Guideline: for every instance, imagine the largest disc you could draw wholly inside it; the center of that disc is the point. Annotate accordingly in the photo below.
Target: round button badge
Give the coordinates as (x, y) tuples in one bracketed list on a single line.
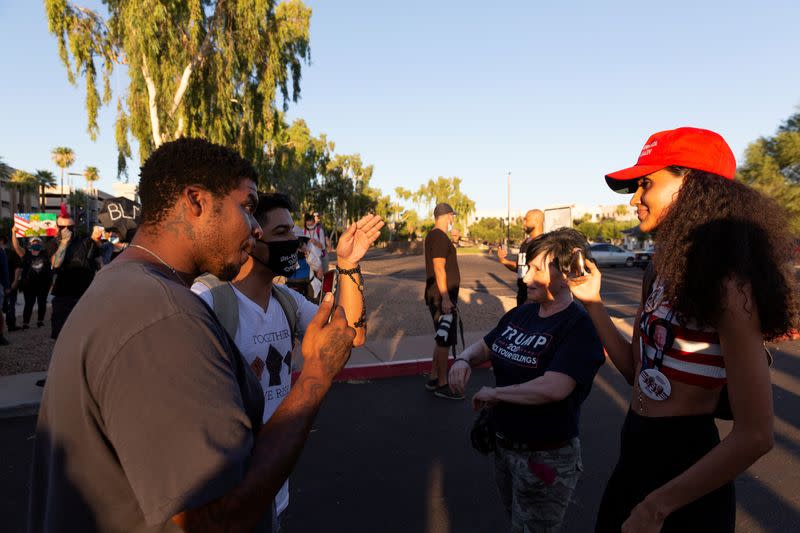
[(654, 384)]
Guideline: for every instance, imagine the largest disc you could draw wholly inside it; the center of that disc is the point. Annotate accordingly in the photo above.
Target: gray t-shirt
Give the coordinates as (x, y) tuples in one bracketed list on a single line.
[(149, 409)]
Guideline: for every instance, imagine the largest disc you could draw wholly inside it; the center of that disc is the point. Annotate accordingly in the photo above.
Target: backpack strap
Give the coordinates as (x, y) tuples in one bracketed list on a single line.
[(289, 306), (226, 305)]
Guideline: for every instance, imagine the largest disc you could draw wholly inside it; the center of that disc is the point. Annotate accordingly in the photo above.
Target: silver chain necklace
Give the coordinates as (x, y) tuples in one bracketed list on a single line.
[(151, 252)]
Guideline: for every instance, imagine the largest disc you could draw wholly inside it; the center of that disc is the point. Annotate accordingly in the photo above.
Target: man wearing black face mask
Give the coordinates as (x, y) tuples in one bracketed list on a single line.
[(534, 226), (264, 318)]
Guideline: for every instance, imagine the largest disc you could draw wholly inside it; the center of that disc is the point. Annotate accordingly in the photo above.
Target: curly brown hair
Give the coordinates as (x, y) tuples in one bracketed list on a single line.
[(718, 229)]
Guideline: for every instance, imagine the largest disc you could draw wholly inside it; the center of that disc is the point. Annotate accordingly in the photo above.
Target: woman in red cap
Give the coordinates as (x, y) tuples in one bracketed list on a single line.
[(720, 285)]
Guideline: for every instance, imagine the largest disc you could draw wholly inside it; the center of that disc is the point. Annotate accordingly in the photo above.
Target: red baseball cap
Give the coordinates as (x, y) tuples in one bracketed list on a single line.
[(684, 147)]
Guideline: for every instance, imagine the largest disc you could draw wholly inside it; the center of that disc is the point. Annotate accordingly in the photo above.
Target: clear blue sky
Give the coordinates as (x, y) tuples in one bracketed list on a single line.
[(557, 94)]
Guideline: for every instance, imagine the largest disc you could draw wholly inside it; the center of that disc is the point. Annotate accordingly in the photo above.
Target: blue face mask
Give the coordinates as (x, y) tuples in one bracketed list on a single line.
[(114, 239), (37, 247)]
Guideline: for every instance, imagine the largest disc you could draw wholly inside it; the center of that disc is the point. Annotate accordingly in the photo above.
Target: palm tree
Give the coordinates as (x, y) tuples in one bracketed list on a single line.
[(63, 157), (91, 174), (21, 182), (5, 170), (45, 179)]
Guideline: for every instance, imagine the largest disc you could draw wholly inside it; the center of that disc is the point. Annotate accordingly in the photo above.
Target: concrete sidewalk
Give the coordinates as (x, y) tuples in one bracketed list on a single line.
[(378, 358)]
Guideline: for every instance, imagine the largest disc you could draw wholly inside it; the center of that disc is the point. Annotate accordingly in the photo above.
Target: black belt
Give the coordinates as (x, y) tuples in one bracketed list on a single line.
[(528, 446)]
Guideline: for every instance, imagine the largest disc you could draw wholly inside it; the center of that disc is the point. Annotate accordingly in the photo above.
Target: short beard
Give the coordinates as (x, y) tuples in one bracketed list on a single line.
[(228, 272)]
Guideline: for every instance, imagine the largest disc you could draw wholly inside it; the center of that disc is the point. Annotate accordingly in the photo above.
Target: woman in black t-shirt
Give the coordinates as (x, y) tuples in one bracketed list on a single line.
[(35, 281), (544, 355)]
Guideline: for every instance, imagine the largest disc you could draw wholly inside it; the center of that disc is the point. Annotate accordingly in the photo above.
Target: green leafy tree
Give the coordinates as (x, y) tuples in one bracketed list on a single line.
[(44, 179), (344, 193), (443, 190), (63, 157), (488, 229), (205, 68), (605, 230), (772, 166), (21, 183), (298, 158)]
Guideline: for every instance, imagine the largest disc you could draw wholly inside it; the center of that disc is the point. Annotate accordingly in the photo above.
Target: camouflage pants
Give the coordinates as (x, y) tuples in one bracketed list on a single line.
[(536, 487)]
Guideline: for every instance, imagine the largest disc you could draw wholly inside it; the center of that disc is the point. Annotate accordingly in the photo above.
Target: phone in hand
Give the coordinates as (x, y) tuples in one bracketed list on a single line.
[(330, 283), (577, 264)]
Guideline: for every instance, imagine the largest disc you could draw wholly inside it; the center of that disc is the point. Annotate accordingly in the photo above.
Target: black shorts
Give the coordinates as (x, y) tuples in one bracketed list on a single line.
[(436, 314), (653, 452)]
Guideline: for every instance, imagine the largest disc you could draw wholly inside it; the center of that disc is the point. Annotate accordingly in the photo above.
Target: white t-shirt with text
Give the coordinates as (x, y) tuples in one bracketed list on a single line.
[(265, 341)]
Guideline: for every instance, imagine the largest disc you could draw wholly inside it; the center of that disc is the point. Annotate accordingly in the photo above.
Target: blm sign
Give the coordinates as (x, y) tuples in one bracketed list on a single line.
[(121, 214)]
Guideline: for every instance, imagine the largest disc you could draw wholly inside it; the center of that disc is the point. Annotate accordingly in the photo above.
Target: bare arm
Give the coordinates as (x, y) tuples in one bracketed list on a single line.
[(278, 444), (619, 349), (475, 354), (441, 283), (502, 256), (353, 245), (15, 243), (548, 388), (350, 299), (750, 394), (58, 257)]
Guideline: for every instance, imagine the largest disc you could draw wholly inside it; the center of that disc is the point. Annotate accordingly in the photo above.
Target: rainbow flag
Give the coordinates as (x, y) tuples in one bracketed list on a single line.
[(35, 224)]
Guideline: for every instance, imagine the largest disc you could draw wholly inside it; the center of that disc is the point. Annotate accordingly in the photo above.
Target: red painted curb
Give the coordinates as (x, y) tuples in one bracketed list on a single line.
[(413, 367)]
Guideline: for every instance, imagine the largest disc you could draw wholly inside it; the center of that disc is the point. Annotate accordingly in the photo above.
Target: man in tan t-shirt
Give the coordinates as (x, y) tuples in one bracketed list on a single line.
[(151, 420)]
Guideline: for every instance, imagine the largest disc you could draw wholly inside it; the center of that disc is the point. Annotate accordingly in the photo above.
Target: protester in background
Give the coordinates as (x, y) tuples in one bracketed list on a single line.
[(534, 226), (14, 275), (721, 284), (36, 278), (544, 356), (111, 245), (308, 277), (75, 262), (5, 287), (442, 280), (265, 319), (312, 228), (150, 419)]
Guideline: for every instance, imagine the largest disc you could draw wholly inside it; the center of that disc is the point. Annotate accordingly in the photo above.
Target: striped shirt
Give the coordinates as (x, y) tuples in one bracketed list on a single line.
[(692, 355)]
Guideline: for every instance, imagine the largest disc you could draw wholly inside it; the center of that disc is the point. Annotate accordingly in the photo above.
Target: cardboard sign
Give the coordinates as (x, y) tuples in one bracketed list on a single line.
[(35, 224)]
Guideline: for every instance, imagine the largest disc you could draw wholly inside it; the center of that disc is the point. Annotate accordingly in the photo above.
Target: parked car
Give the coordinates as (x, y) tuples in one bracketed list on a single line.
[(643, 257), (610, 255)]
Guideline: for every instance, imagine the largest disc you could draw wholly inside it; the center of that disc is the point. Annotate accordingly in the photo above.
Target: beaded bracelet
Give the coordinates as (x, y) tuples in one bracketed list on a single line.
[(362, 321)]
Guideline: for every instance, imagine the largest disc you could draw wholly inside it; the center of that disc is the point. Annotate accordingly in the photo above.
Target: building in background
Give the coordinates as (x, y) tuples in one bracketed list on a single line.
[(84, 203), (26, 202)]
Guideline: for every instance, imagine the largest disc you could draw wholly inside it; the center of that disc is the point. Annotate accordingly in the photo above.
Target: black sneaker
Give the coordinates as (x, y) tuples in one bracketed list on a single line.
[(25, 326), (431, 385), (4, 341), (39, 324), (445, 392), (14, 328)]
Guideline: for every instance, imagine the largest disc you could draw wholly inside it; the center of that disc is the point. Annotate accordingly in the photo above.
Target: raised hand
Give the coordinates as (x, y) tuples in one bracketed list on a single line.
[(502, 252), (587, 288), (354, 243)]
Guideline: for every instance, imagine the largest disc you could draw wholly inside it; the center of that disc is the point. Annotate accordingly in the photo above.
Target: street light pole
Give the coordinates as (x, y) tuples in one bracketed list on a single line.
[(508, 221)]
